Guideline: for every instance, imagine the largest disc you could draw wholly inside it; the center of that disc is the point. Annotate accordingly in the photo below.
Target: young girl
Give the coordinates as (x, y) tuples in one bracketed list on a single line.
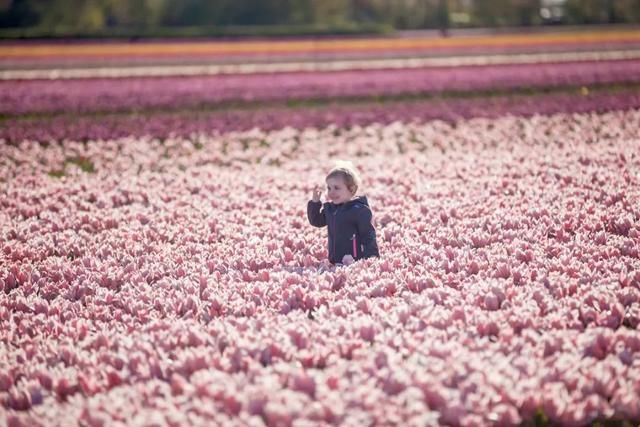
[(349, 218)]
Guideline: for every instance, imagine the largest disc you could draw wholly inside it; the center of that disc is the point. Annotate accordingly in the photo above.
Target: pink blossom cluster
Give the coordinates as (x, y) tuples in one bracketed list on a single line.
[(179, 283), (186, 124), (18, 97)]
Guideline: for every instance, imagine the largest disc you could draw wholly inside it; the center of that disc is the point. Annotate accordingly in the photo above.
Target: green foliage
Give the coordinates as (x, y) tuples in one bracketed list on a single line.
[(57, 173), (505, 13), (603, 11), (147, 17), (587, 11), (82, 162), (347, 28)]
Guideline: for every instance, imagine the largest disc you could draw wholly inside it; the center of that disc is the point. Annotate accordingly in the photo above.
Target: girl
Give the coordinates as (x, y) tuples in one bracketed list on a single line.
[(349, 218)]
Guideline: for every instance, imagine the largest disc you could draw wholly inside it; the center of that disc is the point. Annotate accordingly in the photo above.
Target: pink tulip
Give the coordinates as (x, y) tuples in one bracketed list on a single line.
[(211, 301)]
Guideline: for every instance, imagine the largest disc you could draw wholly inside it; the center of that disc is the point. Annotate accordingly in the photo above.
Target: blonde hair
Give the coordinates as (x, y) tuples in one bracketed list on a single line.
[(348, 172)]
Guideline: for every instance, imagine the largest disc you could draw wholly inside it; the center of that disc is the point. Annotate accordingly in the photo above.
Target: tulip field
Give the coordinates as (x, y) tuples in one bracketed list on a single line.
[(157, 267)]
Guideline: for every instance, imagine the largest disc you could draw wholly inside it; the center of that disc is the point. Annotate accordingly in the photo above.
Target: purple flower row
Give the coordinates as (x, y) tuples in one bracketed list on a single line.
[(183, 124), (134, 94)]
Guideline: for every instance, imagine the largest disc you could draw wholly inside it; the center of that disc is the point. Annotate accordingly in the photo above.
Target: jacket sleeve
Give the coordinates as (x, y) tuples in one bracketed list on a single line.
[(367, 233), (315, 214)]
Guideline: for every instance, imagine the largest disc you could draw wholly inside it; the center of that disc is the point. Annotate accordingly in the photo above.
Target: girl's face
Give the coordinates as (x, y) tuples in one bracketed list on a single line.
[(337, 190)]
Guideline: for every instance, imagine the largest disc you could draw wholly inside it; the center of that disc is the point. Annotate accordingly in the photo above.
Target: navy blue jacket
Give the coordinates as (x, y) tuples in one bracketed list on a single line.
[(350, 228)]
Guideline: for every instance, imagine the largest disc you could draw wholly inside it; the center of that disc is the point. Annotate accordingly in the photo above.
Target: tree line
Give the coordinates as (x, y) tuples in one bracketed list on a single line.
[(100, 15)]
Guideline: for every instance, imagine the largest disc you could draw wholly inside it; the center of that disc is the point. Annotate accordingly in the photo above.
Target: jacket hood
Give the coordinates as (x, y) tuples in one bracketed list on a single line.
[(361, 199)]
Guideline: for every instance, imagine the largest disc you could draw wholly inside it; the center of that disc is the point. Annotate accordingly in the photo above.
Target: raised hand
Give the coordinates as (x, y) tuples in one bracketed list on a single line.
[(317, 192)]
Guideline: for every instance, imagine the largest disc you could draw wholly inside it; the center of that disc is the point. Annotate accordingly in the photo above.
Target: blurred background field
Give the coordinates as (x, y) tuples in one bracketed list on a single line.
[(92, 68)]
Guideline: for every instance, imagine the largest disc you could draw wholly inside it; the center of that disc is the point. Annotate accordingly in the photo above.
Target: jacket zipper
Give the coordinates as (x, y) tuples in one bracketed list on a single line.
[(355, 252), (334, 231)]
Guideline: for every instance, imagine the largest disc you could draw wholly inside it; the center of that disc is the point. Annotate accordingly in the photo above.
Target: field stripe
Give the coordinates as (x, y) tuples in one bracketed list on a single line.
[(369, 64), (296, 46), (342, 115)]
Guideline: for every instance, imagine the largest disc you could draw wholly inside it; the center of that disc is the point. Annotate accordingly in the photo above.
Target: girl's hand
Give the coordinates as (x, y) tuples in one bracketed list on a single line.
[(348, 260), (317, 192)]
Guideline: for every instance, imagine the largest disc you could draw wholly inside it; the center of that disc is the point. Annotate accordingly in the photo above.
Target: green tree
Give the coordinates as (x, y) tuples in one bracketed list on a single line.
[(300, 12), (19, 13), (494, 13), (330, 11), (628, 10), (196, 12), (586, 11), (100, 15), (79, 15), (526, 12), (443, 16), (367, 11)]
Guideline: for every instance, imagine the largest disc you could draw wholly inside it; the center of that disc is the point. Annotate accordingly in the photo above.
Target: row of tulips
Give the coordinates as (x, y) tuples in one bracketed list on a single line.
[(104, 95), (317, 64), (21, 55), (178, 282), (166, 125), (11, 66)]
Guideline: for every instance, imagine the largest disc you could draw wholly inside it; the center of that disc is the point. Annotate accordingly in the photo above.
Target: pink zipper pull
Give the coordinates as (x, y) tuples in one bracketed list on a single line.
[(353, 241)]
